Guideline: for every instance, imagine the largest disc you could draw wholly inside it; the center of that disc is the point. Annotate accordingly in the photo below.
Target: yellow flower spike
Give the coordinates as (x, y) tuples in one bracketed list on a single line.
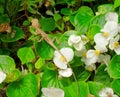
[(97, 52), (116, 44), (105, 34)]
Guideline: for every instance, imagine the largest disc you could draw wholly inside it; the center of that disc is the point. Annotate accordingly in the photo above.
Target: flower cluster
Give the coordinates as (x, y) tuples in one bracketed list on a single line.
[(107, 38)]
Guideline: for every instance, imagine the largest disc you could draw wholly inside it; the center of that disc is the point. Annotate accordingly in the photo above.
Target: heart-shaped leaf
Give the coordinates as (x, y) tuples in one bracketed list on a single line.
[(26, 87)]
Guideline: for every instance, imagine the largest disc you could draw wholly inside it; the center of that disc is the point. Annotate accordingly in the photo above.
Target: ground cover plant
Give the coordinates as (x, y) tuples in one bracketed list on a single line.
[(59, 48)]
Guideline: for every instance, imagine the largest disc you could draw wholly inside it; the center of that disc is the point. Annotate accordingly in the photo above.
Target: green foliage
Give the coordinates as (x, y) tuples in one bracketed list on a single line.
[(16, 34), (116, 3), (82, 19), (26, 86), (44, 50), (113, 68), (47, 24), (7, 63), (26, 54)]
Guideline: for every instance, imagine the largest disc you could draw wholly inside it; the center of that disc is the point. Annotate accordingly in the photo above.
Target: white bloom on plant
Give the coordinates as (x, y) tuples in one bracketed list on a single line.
[(115, 45), (105, 59), (65, 72), (100, 39), (111, 16), (102, 48), (62, 61), (92, 55), (2, 76), (110, 29), (73, 39), (90, 67), (107, 92), (76, 42), (52, 92)]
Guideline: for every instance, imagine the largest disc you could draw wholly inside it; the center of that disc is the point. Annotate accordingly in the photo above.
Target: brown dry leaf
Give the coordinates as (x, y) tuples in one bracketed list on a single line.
[(5, 27)]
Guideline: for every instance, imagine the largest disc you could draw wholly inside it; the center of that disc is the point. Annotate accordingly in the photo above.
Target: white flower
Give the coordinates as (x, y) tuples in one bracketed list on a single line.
[(52, 92), (61, 61), (65, 72), (110, 29), (101, 48), (114, 44), (105, 59), (107, 92), (92, 55), (73, 39), (2, 76), (100, 39), (76, 42), (111, 16), (90, 67)]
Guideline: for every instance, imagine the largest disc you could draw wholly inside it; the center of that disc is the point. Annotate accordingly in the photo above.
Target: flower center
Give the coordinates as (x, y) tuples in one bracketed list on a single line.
[(97, 52), (116, 44), (105, 34), (63, 58), (84, 55)]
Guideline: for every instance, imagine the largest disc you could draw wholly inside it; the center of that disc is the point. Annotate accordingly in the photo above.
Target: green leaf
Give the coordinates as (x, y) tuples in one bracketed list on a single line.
[(26, 87), (47, 24), (102, 76), (14, 75), (116, 3), (95, 88), (13, 36), (72, 90), (44, 50), (66, 11), (1, 9), (114, 67), (57, 17), (4, 19), (26, 23), (26, 54), (99, 20), (82, 19), (102, 9), (82, 74), (39, 63), (93, 30), (50, 79), (7, 64), (116, 86)]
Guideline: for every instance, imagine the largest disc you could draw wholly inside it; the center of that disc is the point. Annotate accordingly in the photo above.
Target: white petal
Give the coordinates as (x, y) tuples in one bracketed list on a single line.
[(68, 53), (2, 76), (105, 59), (100, 39), (58, 59), (59, 63), (101, 48), (73, 39), (79, 46), (117, 50), (65, 72), (52, 92), (111, 16), (111, 27), (90, 67)]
